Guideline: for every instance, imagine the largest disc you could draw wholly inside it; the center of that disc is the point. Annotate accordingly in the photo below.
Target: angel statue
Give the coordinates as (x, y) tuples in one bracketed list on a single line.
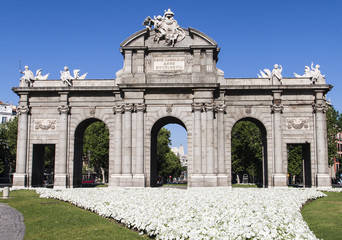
[(39, 75), (277, 71), (66, 76), (316, 73), (265, 74), (28, 76)]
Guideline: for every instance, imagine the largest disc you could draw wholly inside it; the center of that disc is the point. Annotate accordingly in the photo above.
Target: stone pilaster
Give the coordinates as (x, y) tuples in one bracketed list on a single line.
[(197, 177), (19, 178), (61, 163), (138, 177), (322, 177), (117, 110), (210, 177), (279, 177), (127, 143), (222, 177)]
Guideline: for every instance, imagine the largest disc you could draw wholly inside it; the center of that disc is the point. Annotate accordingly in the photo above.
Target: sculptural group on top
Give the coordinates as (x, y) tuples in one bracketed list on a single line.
[(313, 73), (66, 77), (166, 28), (275, 72), (30, 78)]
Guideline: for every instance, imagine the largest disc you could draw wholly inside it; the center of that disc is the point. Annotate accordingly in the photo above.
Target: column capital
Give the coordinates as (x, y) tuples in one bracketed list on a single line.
[(319, 108), (140, 107), (118, 108), (23, 110), (128, 107), (209, 107), (63, 109), (221, 107), (197, 106), (277, 108)]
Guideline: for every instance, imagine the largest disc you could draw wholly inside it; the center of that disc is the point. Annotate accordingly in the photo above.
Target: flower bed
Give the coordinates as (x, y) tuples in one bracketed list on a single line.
[(199, 213)]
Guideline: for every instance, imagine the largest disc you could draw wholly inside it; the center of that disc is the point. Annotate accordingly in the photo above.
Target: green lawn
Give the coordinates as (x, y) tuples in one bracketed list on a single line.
[(244, 185), (324, 216), (53, 219)]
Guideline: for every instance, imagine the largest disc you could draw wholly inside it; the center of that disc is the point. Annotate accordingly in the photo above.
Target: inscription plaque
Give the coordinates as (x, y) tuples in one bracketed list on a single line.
[(169, 63)]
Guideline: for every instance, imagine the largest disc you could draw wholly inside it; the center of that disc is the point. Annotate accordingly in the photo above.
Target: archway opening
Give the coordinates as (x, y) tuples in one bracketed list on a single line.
[(91, 155), (43, 165), (249, 153), (168, 153), (299, 165)]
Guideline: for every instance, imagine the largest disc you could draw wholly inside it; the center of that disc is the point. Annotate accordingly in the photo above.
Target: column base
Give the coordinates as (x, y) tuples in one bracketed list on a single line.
[(210, 180), (61, 181), (138, 180), (323, 180), (279, 180), (222, 180), (19, 180), (197, 180), (123, 180)]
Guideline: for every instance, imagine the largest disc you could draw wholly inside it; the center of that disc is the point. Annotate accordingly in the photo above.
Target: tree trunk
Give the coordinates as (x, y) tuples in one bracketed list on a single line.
[(237, 178), (294, 179), (103, 175)]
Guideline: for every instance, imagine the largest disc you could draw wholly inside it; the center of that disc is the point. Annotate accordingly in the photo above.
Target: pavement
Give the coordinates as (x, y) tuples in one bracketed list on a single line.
[(12, 225)]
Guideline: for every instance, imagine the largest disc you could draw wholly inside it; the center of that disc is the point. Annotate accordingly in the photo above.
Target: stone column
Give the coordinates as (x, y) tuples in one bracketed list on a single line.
[(139, 177), (118, 110), (279, 177), (127, 144), (322, 177), (197, 138), (61, 163), (209, 107), (19, 178), (222, 178)]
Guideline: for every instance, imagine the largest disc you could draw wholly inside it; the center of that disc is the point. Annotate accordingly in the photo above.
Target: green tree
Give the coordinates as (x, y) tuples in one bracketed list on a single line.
[(247, 150), (334, 126), (8, 144), (168, 164), (295, 161), (96, 141)]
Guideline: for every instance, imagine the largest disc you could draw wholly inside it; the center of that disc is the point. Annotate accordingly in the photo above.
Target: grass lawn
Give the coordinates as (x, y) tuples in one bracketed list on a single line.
[(53, 219), (324, 216)]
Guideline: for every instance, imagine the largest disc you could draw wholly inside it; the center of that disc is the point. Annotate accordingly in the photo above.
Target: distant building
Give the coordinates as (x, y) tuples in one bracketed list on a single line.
[(180, 153), (7, 112)]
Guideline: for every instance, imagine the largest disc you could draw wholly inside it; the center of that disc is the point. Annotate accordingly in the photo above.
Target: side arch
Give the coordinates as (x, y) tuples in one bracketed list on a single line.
[(264, 140), (76, 180)]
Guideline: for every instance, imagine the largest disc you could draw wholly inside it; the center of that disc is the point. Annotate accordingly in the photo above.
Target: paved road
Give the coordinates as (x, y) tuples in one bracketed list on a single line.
[(12, 225)]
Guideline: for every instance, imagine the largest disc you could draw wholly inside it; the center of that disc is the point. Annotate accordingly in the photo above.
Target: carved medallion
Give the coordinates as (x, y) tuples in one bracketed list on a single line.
[(248, 110), (297, 123), (45, 124), (92, 111), (168, 108)]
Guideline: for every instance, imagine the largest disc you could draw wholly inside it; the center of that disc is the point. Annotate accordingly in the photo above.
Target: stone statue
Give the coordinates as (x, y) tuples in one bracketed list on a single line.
[(316, 74), (67, 78), (265, 74), (39, 75), (166, 28), (277, 71), (307, 73), (77, 74), (28, 76), (313, 73)]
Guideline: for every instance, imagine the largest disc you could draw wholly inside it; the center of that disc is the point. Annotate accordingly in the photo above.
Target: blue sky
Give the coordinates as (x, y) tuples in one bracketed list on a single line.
[(253, 35)]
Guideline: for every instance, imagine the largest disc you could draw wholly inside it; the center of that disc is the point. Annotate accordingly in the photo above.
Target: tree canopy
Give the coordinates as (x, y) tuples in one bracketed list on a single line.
[(96, 142), (334, 126), (8, 144), (168, 164), (247, 150)]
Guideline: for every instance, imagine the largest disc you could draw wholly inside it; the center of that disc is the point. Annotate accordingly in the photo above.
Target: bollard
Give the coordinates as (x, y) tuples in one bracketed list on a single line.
[(5, 192)]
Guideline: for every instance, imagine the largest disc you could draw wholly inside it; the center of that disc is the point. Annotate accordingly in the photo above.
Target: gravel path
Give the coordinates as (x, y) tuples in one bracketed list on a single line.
[(12, 225)]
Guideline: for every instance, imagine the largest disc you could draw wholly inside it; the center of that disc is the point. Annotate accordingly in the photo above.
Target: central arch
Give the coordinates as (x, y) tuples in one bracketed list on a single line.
[(263, 132), (78, 150), (154, 133)]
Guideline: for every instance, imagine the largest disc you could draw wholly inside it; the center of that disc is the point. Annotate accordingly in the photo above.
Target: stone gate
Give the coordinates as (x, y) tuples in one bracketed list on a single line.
[(169, 75)]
